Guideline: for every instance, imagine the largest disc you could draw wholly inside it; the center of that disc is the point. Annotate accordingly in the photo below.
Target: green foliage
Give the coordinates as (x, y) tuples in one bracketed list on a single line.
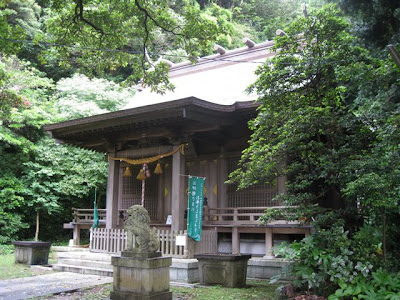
[(376, 21), (37, 173), (54, 179), (25, 14), (11, 199), (79, 96), (304, 128), (323, 260), (8, 30), (329, 122), (254, 290), (381, 285), (109, 35), (266, 16), (6, 249)]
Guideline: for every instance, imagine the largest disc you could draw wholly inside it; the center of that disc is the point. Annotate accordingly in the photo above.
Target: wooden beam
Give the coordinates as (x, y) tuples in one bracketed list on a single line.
[(235, 240)]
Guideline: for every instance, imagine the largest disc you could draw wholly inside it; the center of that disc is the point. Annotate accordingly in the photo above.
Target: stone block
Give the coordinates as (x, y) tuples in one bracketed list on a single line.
[(228, 270), (31, 253), (184, 270), (141, 278)]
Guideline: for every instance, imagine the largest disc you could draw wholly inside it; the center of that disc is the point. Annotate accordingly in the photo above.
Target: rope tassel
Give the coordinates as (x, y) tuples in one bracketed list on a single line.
[(158, 170)]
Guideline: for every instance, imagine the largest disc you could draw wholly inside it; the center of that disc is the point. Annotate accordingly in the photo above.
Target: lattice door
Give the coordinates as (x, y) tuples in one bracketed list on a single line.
[(131, 192), (258, 195)]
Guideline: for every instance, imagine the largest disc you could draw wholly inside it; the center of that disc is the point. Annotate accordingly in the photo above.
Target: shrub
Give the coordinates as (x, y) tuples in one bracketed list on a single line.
[(323, 260), (380, 285)]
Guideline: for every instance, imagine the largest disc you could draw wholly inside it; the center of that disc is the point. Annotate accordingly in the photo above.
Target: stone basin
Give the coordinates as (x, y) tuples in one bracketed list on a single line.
[(31, 252), (229, 270)]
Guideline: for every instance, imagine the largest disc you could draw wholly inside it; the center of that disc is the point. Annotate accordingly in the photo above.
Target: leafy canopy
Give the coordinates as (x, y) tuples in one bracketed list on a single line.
[(108, 35)]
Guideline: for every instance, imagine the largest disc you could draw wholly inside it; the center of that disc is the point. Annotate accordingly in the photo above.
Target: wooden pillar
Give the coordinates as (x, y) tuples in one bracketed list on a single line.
[(178, 191), (235, 240), (76, 235), (222, 177), (268, 243), (112, 194), (281, 182)]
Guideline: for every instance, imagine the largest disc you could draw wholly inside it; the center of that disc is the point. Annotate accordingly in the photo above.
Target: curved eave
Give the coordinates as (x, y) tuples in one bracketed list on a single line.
[(108, 128)]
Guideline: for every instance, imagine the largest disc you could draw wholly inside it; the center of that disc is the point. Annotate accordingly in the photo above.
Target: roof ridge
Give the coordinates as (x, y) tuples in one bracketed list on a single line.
[(228, 53)]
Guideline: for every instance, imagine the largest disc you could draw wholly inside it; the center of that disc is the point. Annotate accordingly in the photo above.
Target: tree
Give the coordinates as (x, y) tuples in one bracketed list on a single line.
[(21, 118), (80, 96), (58, 176), (107, 35), (305, 128), (266, 16), (376, 21), (328, 120)]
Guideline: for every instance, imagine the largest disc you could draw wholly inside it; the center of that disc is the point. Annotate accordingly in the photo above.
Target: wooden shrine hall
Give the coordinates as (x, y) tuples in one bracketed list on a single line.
[(200, 129)]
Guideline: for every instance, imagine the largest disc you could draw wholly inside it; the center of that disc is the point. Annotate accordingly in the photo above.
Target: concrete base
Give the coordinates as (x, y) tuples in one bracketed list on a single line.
[(228, 270), (134, 296), (184, 270), (260, 268), (32, 253), (141, 279)]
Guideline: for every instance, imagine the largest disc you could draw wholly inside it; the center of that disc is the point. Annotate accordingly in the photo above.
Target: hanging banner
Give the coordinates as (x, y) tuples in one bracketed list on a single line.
[(195, 207), (96, 220)]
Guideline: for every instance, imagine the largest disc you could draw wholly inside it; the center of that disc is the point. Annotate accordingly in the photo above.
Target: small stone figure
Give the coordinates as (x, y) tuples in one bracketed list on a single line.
[(140, 239)]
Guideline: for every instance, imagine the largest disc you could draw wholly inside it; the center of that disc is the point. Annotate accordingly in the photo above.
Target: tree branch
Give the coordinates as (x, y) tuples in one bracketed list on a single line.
[(79, 15), (147, 14)]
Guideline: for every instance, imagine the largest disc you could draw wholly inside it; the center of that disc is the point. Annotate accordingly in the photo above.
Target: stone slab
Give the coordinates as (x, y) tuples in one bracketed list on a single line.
[(151, 263)]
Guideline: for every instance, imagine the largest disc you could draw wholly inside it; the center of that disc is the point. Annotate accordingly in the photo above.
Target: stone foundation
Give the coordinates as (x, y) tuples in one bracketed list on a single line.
[(141, 279)]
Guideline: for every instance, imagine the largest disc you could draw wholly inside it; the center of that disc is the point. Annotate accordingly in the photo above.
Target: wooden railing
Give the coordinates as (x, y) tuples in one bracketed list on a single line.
[(85, 216), (236, 215), (213, 216), (109, 240)]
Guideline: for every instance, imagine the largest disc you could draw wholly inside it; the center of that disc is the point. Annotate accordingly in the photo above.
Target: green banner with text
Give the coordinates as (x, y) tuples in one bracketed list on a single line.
[(195, 207)]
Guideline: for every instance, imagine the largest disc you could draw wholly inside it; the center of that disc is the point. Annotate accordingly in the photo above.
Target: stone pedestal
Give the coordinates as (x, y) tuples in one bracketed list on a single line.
[(229, 270), (31, 252), (141, 277)]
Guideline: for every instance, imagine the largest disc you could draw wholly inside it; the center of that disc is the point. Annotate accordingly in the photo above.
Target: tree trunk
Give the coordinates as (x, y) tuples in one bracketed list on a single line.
[(37, 227)]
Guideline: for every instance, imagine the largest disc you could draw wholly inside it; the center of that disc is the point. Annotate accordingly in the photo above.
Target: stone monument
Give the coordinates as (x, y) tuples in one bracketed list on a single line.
[(140, 272)]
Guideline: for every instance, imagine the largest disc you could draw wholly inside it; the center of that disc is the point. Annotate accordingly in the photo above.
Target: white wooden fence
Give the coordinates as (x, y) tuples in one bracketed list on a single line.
[(109, 240)]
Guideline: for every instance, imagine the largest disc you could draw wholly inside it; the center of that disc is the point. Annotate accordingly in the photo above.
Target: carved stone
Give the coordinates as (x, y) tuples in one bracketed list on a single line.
[(140, 239), (140, 272)]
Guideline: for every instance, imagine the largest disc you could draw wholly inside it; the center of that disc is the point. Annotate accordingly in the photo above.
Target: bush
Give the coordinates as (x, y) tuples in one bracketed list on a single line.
[(6, 249), (323, 260), (381, 285)]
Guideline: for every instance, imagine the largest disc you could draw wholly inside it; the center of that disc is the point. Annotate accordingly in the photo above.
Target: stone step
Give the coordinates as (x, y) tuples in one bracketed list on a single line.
[(69, 249), (85, 255), (84, 263), (83, 270)]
